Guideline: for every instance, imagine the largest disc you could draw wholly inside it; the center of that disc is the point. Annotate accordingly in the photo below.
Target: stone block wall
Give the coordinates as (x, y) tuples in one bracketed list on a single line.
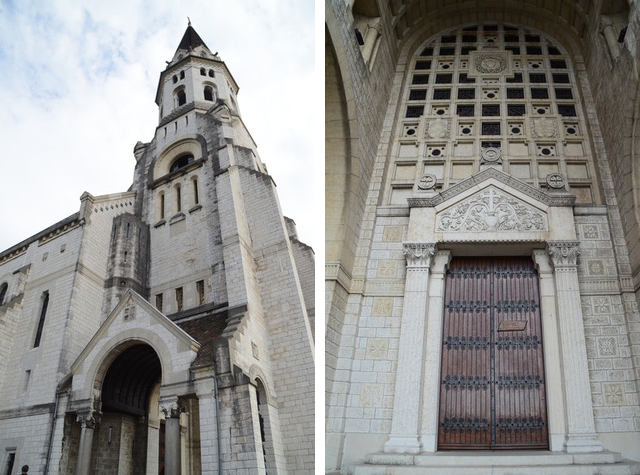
[(26, 434), (611, 327)]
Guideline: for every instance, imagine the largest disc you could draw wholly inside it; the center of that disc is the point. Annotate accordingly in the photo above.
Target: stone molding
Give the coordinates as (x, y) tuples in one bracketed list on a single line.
[(563, 253), (418, 254)]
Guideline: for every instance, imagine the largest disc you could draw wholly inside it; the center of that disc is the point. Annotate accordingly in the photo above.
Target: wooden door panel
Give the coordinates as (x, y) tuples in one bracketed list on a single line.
[(492, 392)]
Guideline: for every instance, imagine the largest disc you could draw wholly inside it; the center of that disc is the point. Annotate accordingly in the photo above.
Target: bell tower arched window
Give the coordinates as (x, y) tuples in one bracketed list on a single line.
[(180, 97), (181, 162), (208, 93)]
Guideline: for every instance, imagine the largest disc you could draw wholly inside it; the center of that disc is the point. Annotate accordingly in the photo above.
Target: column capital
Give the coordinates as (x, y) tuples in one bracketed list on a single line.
[(419, 254), (563, 253), (170, 406), (88, 419)]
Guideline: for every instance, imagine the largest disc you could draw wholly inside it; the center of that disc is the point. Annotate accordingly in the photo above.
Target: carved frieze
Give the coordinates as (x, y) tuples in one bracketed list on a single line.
[(492, 210)]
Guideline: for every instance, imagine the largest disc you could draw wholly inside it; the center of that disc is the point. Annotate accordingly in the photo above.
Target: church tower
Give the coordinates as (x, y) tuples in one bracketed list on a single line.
[(172, 330)]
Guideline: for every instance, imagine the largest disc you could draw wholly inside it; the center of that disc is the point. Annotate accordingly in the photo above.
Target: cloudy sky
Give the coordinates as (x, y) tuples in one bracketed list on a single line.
[(77, 88)]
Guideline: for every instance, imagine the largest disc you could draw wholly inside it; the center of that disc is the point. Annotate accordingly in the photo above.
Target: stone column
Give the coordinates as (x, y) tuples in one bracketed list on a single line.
[(581, 434), (172, 457), (607, 29), (551, 348), (431, 385), (88, 421), (370, 36), (406, 403)]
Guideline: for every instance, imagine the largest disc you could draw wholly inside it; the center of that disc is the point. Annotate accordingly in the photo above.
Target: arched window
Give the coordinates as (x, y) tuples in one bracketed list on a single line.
[(203, 72), (178, 198), (175, 79), (208, 93), (3, 292), (181, 97), (181, 162), (211, 73), (181, 74)]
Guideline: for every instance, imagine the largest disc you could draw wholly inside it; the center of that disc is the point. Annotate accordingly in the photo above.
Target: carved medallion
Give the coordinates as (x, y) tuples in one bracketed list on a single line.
[(427, 182), (555, 181), (544, 127), (490, 210), (491, 155)]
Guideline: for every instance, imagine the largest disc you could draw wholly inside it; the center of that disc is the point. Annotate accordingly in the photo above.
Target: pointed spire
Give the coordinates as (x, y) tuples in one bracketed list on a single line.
[(190, 40)]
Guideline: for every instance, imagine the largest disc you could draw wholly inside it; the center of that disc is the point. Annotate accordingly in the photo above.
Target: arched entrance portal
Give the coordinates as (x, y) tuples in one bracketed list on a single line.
[(124, 438)]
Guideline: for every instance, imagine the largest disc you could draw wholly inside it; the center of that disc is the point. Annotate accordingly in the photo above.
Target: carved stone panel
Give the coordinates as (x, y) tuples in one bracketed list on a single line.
[(490, 63), (492, 210), (437, 128), (544, 127)]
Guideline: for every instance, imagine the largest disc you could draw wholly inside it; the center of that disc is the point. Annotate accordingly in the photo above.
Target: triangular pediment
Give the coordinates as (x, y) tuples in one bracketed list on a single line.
[(492, 206), (135, 318), (502, 180)]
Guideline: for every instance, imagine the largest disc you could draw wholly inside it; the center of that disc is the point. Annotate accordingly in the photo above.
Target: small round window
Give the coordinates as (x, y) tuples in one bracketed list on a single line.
[(181, 162)]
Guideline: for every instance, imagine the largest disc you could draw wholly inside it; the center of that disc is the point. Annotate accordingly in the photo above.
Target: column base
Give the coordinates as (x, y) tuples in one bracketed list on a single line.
[(582, 443), (398, 444)]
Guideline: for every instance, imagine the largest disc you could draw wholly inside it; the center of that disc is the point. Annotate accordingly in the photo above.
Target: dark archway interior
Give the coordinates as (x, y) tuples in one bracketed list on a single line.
[(130, 380)]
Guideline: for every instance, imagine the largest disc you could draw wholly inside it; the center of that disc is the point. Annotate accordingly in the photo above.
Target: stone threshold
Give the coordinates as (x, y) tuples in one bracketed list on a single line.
[(496, 463)]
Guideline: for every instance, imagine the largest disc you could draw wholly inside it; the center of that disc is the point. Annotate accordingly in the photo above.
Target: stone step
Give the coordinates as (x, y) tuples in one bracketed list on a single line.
[(490, 463)]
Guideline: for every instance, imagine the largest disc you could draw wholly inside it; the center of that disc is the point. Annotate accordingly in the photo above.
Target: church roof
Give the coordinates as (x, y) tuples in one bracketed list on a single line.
[(190, 40)]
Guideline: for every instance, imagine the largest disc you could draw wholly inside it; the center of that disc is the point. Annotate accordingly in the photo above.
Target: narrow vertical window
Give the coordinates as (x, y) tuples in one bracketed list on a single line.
[(43, 314), (11, 460), (196, 199), (178, 198), (125, 257), (200, 290), (159, 302), (3, 287), (128, 230), (181, 74), (162, 206), (208, 93), (27, 378), (179, 298), (203, 72)]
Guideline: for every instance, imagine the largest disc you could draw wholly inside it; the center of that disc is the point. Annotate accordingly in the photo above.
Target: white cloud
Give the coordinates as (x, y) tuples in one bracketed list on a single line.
[(78, 86)]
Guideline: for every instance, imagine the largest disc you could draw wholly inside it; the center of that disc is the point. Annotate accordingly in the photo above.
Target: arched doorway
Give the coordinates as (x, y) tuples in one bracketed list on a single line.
[(122, 441)]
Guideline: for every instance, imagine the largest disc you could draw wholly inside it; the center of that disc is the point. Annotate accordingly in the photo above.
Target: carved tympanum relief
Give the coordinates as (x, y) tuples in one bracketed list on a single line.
[(492, 210)]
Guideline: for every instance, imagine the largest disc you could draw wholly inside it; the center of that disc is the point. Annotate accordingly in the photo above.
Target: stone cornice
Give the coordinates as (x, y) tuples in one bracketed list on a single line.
[(449, 193)]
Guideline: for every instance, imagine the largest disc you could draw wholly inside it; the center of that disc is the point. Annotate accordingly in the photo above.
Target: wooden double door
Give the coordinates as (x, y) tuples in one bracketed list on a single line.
[(492, 386)]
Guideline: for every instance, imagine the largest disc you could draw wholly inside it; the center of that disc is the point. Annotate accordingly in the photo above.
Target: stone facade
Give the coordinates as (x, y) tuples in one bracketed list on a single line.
[(499, 132), (168, 328)]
